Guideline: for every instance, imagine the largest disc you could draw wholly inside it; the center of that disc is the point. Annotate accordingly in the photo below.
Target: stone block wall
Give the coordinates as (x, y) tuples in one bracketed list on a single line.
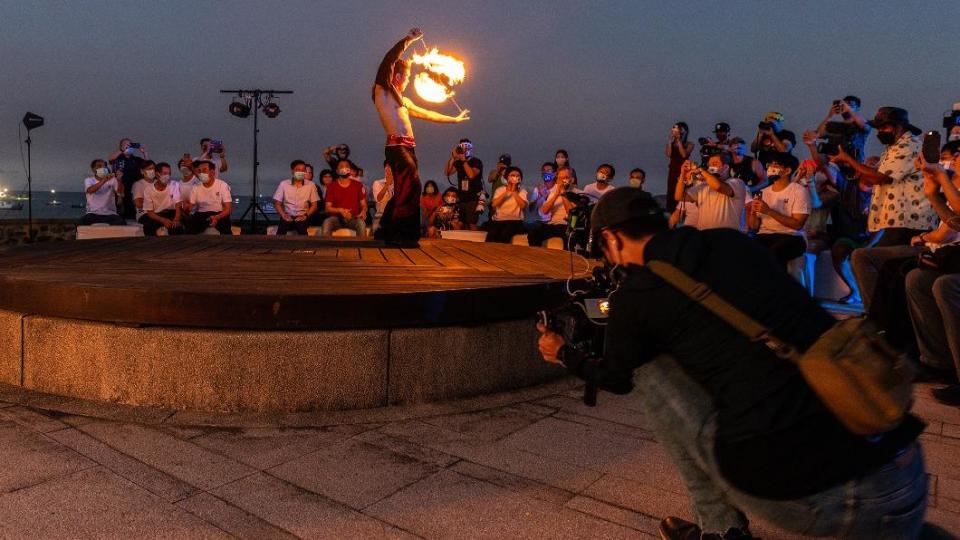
[(13, 232)]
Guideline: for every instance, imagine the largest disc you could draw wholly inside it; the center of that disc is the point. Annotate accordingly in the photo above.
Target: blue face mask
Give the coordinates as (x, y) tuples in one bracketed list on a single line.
[(548, 177)]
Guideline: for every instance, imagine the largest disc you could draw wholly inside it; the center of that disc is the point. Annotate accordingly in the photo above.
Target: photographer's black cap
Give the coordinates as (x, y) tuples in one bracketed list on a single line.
[(893, 115), (624, 204), (721, 127), (506, 159)]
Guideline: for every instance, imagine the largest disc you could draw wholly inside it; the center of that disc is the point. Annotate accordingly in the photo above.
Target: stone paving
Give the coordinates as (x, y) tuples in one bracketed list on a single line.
[(546, 467)]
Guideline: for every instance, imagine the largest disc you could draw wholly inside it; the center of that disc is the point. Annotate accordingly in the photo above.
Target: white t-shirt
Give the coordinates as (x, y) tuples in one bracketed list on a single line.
[(689, 212), (716, 210), (102, 202), (296, 199), (510, 210), (558, 213), (186, 188), (594, 192), (137, 190), (381, 204), (210, 199), (156, 200), (793, 199)]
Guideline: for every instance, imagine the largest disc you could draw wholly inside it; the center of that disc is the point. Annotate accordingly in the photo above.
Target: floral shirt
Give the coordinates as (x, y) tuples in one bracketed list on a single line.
[(901, 203)]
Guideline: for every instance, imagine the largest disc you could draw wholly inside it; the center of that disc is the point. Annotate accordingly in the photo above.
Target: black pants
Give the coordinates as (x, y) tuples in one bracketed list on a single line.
[(197, 223), (400, 223), (538, 232), (300, 226), (112, 219), (785, 247), (150, 227), (896, 236), (889, 305), (504, 231)]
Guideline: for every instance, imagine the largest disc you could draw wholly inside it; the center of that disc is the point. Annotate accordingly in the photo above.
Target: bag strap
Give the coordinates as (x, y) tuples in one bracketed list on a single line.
[(702, 294)]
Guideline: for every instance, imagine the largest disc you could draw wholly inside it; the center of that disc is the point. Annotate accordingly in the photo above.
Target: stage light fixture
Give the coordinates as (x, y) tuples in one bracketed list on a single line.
[(32, 121), (240, 109), (271, 110)]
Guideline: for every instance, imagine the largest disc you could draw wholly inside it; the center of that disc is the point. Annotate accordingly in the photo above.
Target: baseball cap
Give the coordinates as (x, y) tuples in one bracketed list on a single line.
[(624, 204)]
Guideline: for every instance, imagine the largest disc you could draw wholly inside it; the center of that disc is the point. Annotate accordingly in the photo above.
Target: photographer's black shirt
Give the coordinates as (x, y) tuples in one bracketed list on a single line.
[(768, 151), (469, 188), (775, 439)]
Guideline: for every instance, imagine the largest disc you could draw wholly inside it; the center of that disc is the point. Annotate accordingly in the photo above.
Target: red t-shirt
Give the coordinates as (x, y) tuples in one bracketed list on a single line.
[(348, 197)]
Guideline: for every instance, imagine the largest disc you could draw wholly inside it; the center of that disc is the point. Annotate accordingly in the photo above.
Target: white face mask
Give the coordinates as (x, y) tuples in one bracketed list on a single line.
[(185, 172), (947, 164), (204, 177), (635, 182), (163, 178), (954, 137), (299, 175), (713, 170), (343, 173), (102, 172), (450, 201), (601, 177), (774, 173), (150, 174)]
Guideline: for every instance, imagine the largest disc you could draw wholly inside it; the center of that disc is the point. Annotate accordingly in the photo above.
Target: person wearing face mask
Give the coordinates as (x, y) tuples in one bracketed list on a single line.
[(210, 200), (333, 155), (161, 204), (771, 139), (604, 183), (497, 176), (562, 159), (509, 203), (188, 181), (552, 207), (747, 433), (430, 200), (638, 177), (381, 192), (899, 210), (101, 191), (746, 168), (781, 211), (678, 151), (127, 161), (148, 175), (469, 171), (446, 217), (296, 200), (719, 198), (215, 154), (346, 203), (852, 126)]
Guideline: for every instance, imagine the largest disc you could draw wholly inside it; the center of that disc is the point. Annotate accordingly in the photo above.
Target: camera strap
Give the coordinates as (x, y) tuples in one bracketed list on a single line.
[(702, 294)]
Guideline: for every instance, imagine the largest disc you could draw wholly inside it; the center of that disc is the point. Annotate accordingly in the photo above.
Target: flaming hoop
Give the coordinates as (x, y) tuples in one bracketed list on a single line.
[(440, 73)]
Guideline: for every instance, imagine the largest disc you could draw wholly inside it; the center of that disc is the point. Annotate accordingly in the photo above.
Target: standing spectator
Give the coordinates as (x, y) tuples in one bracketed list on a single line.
[(562, 159), (101, 191), (214, 152), (719, 198), (899, 210), (430, 200), (708, 146), (638, 177), (781, 211), (469, 171), (447, 216), (552, 208), (346, 202), (148, 174), (604, 183), (127, 164), (678, 150), (852, 127), (295, 200), (210, 200), (497, 176), (161, 204), (746, 168), (382, 192), (334, 154), (508, 204), (771, 139)]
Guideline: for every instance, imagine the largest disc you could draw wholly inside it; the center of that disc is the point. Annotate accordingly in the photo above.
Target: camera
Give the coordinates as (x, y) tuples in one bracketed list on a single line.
[(951, 119), (836, 135), (578, 219), (581, 319), (135, 145), (765, 125)]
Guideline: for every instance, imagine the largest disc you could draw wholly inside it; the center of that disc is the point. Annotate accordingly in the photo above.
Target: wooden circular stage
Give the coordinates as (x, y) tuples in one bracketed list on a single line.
[(265, 324), (261, 282)]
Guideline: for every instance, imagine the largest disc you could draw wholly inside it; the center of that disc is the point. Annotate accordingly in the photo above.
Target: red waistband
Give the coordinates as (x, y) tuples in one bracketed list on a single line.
[(401, 140)]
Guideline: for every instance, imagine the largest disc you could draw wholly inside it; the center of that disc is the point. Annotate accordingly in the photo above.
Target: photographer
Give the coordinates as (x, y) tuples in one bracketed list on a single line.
[(708, 146), (772, 139), (678, 151), (744, 429), (127, 164), (719, 198), (497, 176), (552, 207), (101, 191), (215, 152), (469, 171), (852, 130), (334, 154)]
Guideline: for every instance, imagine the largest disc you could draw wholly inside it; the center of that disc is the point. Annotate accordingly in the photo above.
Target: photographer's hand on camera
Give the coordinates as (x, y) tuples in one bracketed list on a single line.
[(550, 344)]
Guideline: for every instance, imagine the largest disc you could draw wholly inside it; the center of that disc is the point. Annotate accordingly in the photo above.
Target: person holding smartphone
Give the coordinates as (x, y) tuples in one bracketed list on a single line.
[(215, 152)]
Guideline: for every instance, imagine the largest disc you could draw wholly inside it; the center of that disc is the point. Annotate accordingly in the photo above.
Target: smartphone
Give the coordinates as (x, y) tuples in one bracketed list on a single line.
[(135, 145), (216, 145), (931, 147)]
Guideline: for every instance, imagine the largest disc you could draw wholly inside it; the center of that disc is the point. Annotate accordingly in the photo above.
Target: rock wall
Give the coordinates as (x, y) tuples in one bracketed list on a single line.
[(14, 232)]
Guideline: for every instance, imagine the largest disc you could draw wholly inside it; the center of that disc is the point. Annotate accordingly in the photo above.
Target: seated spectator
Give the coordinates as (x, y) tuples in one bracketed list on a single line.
[(447, 216), (430, 200), (188, 181), (509, 203), (719, 198), (604, 183), (210, 200), (746, 168), (326, 178), (552, 208), (772, 139), (148, 174), (346, 202), (781, 211), (161, 204), (295, 200), (381, 193), (101, 191), (638, 177)]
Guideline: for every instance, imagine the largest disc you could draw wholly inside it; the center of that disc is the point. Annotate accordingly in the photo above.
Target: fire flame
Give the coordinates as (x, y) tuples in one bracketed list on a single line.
[(440, 73)]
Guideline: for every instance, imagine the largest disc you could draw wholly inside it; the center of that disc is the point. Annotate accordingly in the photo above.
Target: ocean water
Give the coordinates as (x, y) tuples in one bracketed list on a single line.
[(72, 205)]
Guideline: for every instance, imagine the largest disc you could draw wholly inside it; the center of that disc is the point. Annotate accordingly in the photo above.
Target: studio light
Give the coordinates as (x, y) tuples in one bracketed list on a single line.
[(32, 121), (240, 109), (271, 110)]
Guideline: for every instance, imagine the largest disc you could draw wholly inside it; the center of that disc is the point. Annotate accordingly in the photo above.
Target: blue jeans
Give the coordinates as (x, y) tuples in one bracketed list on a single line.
[(333, 223), (887, 503)]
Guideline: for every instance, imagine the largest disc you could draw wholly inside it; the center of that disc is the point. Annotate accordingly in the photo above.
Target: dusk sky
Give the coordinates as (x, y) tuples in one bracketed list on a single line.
[(605, 80)]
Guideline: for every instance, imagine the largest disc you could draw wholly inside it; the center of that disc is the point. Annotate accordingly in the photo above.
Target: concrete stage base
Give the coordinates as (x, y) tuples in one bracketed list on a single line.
[(266, 371)]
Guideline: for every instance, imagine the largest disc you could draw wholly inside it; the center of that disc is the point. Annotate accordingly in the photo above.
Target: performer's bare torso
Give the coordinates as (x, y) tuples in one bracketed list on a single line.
[(394, 116)]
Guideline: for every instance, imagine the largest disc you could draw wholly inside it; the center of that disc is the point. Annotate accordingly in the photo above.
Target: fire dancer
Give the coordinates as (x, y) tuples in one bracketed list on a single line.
[(400, 224)]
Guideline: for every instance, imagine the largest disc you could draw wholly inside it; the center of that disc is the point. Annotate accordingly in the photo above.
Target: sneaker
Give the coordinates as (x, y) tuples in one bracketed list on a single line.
[(948, 395), (674, 528)]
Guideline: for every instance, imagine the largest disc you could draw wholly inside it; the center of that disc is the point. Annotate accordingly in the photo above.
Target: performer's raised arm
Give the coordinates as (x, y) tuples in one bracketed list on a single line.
[(433, 116), (386, 72)]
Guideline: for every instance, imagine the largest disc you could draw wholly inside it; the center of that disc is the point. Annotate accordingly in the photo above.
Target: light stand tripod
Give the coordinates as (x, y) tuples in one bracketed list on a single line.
[(30, 121), (252, 100)]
